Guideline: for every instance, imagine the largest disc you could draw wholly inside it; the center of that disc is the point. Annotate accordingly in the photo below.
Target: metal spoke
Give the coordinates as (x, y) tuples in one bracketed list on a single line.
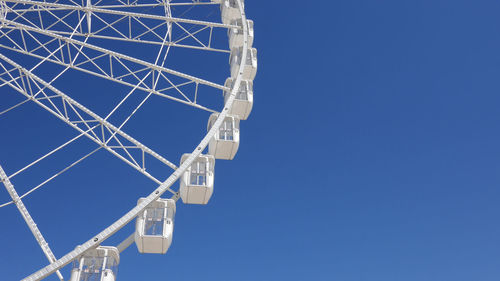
[(82, 36), (116, 67), (95, 11), (14, 106), (28, 219), (89, 121), (115, 55)]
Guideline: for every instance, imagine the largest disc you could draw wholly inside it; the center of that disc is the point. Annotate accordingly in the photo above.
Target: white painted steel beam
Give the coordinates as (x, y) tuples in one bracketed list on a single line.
[(115, 55), (100, 135), (95, 9), (129, 216), (123, 35), (116, 69), (28, 219)]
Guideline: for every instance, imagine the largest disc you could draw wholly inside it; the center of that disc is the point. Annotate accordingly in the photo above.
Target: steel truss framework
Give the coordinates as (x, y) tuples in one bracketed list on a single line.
[(47, 42), (61, 37)]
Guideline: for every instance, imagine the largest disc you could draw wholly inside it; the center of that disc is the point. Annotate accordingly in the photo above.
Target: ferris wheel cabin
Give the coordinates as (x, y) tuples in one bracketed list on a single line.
[(224, 144), (99, 264), (243, 103), (230, 10), (197, 182), (236, 37), (155, 226), (250, 68)]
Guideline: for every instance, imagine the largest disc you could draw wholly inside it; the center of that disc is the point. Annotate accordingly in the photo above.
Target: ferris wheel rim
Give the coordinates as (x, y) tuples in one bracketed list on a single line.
[(162, 188)]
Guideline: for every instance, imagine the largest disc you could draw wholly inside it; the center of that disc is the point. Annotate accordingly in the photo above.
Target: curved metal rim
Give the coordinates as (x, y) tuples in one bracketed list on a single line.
[(130, 215)]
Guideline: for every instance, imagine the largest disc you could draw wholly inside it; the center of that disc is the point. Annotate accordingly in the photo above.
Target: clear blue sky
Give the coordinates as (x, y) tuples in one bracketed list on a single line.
[(372, 154)]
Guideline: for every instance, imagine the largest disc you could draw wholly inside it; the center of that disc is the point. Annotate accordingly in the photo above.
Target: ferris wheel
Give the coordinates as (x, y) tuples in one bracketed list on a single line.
[(144, 49)]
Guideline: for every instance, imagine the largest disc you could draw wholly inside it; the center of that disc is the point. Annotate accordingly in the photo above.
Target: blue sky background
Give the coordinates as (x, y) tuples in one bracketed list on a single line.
[(371, 154)]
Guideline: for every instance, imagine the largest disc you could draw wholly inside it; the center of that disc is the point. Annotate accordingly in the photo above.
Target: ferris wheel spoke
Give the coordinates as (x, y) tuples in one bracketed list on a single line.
[(143, 32), (60, 147), (161, 92), (14, 106), (111, 64), (52, 177), (104, 134), (101, 38), (164, 92), (172, 3), (91, 130), (28, 219), (98, 9), (177, 43)]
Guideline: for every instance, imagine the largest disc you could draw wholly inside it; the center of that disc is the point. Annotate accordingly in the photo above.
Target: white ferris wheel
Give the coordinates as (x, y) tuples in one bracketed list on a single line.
[(144, 49)]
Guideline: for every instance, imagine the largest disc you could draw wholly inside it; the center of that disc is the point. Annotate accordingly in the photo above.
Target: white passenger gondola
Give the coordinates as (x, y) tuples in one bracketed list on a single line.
[(243, 103), (230, 10), (250, 69), (99, 264), (224, 144), (197, 182), (236, 37), (155, 226)]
